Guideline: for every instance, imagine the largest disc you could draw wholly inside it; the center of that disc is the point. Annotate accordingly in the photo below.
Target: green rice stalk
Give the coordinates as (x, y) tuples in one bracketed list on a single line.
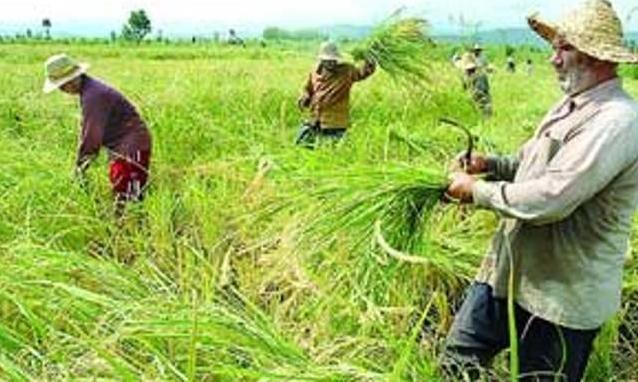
[(399, 46), (511, 319), (401, 199)]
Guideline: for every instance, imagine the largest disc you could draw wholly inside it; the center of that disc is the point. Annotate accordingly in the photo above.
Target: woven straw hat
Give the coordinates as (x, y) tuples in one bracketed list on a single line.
[(467, 62), (59, 70), (329, 51), (593, 29)]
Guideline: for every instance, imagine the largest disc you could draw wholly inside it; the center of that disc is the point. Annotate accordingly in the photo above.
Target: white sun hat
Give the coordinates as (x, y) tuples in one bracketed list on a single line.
[(329, 51), (60, 69)]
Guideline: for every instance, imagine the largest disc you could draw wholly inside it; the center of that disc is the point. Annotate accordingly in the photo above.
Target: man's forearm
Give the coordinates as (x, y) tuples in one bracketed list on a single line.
[(502, 168)]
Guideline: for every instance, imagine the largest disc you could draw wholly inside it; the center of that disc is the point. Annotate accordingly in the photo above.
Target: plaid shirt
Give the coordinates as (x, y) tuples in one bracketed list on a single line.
[(567, 201)]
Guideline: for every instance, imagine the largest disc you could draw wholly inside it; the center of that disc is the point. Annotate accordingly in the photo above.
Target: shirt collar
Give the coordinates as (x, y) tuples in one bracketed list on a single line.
[(598, 92)]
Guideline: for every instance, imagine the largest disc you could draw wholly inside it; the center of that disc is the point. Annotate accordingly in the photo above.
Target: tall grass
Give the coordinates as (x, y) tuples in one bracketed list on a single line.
[(185, 289)]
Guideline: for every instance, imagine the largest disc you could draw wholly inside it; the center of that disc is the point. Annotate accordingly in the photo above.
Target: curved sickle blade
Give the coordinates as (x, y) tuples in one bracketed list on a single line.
[(470, 138)]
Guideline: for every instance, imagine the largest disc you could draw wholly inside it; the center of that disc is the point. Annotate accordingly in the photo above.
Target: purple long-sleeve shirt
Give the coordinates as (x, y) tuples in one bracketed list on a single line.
[(109, 120)]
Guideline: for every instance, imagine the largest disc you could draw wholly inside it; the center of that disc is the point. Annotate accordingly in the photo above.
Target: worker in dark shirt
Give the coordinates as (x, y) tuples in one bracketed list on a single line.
[(108, 120)]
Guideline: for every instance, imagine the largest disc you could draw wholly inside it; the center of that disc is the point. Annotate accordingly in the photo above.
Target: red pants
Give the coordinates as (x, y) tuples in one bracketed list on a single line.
[(129, 176)]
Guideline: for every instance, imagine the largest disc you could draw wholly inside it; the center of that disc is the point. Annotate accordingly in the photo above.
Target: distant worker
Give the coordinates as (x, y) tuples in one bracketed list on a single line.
[(233, 39), (108, 120), (511, 64), (530, 67), (476, 82), (327, 95)]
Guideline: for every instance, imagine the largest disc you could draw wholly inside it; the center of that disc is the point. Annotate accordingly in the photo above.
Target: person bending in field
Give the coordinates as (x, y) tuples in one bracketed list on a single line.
[(327, 95), (108, 120), (566, 202)]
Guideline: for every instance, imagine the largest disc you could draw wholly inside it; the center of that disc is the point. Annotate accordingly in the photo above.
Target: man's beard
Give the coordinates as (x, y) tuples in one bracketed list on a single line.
[(575, 79)]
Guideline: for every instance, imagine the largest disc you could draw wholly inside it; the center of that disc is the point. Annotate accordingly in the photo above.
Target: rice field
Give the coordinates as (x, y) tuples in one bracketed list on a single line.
[(252, 259)]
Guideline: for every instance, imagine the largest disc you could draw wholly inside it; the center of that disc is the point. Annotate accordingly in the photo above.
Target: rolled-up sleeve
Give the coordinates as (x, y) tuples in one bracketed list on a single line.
[(579, 170), (504, 168)]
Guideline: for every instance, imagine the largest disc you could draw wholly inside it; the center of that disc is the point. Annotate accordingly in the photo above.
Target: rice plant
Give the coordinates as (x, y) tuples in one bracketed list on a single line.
[(252, 259), (400, 46)]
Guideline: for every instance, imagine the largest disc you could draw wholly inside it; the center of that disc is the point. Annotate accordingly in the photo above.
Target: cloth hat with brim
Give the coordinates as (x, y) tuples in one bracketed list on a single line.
[(477, 47), (593, 29), (329, 52), (467, 62), (60, 69)]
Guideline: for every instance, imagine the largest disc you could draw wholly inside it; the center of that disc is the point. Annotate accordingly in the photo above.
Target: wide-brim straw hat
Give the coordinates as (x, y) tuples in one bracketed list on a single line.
[(60, 69), (467, 62), (593, 29), (329, 51)]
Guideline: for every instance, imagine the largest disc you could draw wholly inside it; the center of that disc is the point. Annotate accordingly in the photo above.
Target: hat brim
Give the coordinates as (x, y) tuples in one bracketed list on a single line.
[(329, 57), (610, 53), (549, 32), (544, 29), (465, 66), (50, 86)]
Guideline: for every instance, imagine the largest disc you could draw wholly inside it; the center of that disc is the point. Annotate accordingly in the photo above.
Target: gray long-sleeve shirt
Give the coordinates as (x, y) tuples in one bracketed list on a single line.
[(567, 201)]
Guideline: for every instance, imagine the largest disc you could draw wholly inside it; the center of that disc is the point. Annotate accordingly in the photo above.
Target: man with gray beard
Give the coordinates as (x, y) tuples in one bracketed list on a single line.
[(566, 202)]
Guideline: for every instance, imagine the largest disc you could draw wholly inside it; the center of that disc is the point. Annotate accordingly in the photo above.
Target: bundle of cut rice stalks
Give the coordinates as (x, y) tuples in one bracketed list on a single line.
[(391, 206), (399, 46)]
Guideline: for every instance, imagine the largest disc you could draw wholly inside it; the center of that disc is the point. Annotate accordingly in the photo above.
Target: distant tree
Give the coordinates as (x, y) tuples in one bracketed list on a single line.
[(309, 34), (275, 33), (113, 36), (46, 24), (29, 34), (137, 27)]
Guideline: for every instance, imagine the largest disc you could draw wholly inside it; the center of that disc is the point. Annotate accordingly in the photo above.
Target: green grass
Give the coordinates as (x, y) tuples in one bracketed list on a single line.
[(232, 271)]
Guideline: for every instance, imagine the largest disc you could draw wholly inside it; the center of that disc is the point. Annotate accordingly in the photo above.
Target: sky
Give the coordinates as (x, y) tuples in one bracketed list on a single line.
[(200, 15)]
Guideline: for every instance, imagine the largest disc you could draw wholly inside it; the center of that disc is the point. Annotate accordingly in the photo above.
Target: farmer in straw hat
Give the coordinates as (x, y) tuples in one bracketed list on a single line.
[(475, 81), (567, 200), (327, 94), (109, 120)]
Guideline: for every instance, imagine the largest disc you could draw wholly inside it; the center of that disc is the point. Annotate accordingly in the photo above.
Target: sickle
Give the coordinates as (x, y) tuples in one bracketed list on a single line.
[(470, 138)]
